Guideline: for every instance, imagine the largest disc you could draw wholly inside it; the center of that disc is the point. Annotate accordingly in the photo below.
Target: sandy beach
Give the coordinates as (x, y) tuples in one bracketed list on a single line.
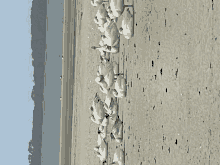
[(171, 111)]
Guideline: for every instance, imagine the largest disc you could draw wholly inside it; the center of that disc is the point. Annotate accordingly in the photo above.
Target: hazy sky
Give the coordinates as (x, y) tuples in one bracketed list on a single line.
[(16, 81)]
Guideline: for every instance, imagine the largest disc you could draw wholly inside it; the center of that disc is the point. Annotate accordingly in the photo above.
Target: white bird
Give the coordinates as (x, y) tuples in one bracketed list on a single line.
[(109, 78), (104, 90), (101, 12), (97, 108), (117, 131), (103, 85), (105, 57), (97, 121), (102, 150), (100, 22), (111, 106), (127, 25), (110, 100), (119, 157), (102, 131), (99, 139), (111, 33), (115, 8), (105, 68), (112, 111), (110, 14), (103, 122), (101, 15), (106, 48), (107, 72), (120, 87), (105, 51), (99, 115)]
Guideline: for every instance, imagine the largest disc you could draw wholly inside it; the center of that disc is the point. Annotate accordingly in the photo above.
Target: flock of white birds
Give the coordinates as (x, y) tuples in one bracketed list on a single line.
[(111, 82)]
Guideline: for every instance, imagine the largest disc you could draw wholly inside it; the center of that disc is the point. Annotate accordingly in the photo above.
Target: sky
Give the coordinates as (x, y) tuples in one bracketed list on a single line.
[(17, 81)]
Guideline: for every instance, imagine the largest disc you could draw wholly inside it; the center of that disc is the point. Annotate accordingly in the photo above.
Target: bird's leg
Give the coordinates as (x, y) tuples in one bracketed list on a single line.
[(124, 6)]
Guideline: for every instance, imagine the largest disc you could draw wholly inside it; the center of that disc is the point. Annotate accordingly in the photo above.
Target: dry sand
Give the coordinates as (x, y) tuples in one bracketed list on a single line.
[(171, 112)]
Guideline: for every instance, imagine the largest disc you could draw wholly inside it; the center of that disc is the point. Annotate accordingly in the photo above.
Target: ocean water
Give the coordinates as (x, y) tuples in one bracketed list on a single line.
[(52, 84)]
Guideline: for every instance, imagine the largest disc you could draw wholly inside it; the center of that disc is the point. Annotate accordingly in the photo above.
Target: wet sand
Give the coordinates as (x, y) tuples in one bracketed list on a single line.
[(171, 112), (67, 86)]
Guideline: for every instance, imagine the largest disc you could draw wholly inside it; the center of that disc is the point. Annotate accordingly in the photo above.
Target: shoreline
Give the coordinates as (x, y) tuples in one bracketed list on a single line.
[(67, 86)]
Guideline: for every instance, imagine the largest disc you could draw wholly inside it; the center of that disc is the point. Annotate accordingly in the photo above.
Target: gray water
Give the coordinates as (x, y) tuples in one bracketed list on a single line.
[(52, 84)]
